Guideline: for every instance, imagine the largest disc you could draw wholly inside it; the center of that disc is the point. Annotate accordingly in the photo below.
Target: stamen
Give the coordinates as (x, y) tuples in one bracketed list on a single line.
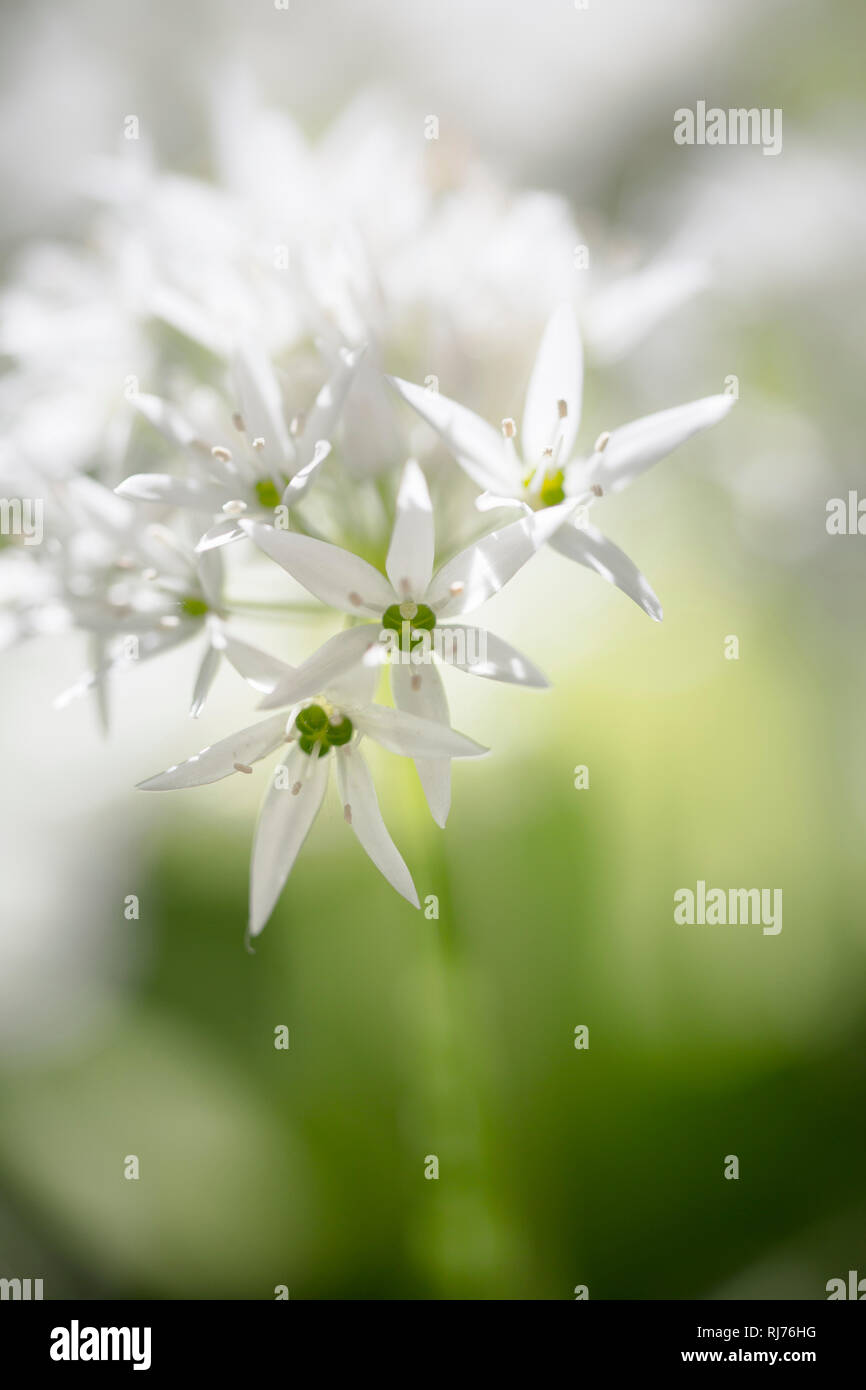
[(258, 442), (597, 490), (416, 682), (234, 508), (238, 422), (355, 599), (509, 429), (601, 442), (455, 588), (296, 789), (296, 425), (224, 455), (347, 813), (562, 407), (242, 767)]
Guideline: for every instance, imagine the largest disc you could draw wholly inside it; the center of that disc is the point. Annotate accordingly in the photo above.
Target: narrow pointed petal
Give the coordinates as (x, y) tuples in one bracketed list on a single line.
[(224, 533), (418, 690), (211, 572), (482, 653), (207, 672), (297, 486), (258, 668), (288, 811), (325, 667), (589, 547), (482, 569), (413, 737), (336, 576), (172, 492), (557, 376), (633, 448), (410, 555), (261, 407), (219, 760), (477, 446), (322, 419), (361, 810)]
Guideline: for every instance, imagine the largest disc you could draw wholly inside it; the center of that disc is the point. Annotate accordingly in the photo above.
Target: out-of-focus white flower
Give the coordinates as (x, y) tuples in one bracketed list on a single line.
[(341, 714), (275, 466), (547, 474)]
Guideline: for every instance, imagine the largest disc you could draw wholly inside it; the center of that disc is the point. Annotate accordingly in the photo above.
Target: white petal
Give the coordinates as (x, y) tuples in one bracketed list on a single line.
[(261, 407), (288, 811), (477, 446), (635, 447), (410, 555), (589, 547), (172, 492), (483, 568), (413, 737), (328, 665), (335, 576), (418, 690), (482, 653), (209, 564), (167, 419), (361, 809), (204, 680), (297, 486), (218, 759), (322, 419), (258, 668), (223, 533), (557, 376)]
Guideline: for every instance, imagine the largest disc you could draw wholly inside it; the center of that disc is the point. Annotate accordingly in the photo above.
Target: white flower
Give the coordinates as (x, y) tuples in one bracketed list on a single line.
[(335, 721), (272, 469), (547, 473), (410, 603)]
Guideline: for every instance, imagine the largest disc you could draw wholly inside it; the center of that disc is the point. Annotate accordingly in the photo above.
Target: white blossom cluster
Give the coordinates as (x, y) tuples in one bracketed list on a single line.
[(249, 365)]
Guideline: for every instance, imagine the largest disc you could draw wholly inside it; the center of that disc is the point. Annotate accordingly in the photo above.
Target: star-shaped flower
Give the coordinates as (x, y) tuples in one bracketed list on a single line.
[(410, 607), (547, 473), (336, 720)]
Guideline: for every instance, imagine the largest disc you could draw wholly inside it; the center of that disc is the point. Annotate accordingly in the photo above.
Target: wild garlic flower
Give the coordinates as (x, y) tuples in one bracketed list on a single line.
[(335, 720), (547, 472)]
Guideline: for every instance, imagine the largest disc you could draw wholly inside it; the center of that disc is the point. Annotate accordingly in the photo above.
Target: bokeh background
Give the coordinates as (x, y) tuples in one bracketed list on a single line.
[(455, 1036)]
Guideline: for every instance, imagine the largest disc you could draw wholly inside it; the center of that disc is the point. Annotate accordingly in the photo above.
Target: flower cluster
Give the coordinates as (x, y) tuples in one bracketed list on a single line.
[(276, 430)]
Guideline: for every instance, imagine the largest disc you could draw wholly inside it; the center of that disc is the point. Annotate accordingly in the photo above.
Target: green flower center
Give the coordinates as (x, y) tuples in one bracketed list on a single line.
[(266, 492), (319, 733), (193, 607), (552, 490), (409, 620)]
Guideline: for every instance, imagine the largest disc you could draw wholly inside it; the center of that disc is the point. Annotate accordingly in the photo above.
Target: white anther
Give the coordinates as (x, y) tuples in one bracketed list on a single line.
[(241, 767), (509, 429), (224, 455), (235, 508), (601, 442)]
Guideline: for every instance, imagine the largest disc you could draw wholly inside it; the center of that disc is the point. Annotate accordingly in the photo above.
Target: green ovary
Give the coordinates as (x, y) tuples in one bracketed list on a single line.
[(266, 492), (193, 607), (409, 620), (318, 733)]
